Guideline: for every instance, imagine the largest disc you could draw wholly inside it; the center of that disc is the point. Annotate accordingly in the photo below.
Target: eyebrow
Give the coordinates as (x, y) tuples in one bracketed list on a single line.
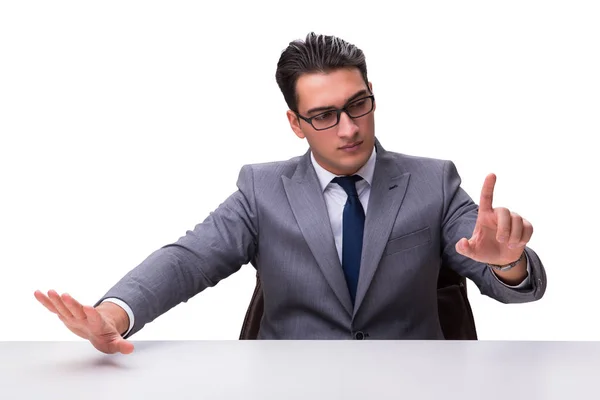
[(324, 108)]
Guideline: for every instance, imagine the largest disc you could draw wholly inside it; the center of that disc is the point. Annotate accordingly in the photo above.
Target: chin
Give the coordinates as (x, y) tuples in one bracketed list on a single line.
[(352, 168)]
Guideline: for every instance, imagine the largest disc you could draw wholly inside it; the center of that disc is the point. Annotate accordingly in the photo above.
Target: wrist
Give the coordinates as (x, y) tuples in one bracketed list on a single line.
[(515, 275), (509, 266), (115, 315)]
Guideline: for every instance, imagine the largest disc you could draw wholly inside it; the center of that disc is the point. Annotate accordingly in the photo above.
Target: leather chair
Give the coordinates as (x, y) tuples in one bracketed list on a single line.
[(454, 310)]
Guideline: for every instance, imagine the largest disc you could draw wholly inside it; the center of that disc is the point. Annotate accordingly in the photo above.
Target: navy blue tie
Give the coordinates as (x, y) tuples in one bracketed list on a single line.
[(353, 226)]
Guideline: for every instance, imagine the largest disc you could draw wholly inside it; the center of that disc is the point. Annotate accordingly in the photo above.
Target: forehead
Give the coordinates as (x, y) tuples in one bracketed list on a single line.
[(320, 89)]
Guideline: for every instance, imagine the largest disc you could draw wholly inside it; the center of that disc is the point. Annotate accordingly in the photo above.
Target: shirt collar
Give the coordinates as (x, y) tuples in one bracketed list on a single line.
[(325, 177)]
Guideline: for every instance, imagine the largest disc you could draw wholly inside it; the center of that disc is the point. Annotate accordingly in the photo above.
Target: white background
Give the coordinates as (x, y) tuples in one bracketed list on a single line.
[(123, 124)]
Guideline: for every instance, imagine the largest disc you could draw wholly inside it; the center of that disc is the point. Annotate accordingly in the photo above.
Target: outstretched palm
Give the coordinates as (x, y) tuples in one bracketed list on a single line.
[(86, 322)]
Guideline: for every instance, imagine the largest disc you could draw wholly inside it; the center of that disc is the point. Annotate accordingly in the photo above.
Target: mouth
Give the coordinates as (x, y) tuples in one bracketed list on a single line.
[(351, 146)]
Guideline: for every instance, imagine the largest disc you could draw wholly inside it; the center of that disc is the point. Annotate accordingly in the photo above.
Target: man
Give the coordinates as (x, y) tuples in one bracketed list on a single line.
[(348, 237)]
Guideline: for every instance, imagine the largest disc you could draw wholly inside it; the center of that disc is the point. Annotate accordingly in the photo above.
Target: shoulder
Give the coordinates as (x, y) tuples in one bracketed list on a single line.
[(270, 171), (426, 173), (419, 165)]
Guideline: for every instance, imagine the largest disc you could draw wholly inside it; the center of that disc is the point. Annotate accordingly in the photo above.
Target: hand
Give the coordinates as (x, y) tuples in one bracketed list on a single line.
[(499, 236), (88, 322)]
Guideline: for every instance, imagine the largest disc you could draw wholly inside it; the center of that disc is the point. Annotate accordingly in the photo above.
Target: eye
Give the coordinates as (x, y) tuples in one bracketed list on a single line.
[(326, 116), (358, 104)]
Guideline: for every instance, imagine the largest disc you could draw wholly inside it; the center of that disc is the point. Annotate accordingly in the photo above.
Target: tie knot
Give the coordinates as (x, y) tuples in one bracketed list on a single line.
[(348, 183)]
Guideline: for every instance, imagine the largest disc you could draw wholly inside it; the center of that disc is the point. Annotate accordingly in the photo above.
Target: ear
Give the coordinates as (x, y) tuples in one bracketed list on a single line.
[(295, 123)]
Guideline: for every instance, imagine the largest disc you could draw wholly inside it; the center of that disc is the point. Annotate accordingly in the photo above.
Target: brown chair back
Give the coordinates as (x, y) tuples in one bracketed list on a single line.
[(455, 313)]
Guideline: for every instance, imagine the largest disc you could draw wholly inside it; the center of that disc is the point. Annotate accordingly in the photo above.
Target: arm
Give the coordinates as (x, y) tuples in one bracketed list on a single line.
[(215, 249), (463, 219)]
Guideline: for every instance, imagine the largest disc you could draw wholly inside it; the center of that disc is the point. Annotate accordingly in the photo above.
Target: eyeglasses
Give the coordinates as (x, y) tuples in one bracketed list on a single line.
[(328, 119)]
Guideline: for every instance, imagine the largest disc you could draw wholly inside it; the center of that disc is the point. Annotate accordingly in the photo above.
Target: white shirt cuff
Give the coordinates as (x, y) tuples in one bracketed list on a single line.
[(125, 307)]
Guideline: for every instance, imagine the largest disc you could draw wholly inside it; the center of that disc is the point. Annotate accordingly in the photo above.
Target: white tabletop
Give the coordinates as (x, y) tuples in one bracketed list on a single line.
[(302, 370)]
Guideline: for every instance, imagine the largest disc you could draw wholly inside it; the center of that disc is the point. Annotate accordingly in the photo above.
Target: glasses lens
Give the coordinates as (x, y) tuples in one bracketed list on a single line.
[(325, 120), (360, 107)]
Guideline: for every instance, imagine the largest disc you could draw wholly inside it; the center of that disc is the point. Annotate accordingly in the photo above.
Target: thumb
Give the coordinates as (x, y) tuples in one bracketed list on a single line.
[(463, 247), (125, 346)]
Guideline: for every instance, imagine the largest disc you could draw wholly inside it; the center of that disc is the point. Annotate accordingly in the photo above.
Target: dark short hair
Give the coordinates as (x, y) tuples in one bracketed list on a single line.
[(317, 53)]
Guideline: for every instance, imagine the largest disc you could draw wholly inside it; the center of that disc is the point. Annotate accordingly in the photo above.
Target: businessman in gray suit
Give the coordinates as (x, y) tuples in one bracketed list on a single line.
[(347, 238)]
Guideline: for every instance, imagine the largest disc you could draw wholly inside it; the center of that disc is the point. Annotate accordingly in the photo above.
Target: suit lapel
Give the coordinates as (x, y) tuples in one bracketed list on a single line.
[(308, 205), (387, 193)]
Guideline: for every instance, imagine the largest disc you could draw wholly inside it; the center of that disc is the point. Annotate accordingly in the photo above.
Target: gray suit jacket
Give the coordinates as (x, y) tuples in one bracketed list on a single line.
[(277, 220)]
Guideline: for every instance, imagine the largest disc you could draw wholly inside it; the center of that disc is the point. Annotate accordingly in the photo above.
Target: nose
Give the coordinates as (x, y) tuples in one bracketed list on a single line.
[(347, 127)]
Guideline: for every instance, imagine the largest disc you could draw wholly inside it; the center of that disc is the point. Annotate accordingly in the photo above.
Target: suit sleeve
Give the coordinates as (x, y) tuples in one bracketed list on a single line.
[(213, 250), (459, 215)]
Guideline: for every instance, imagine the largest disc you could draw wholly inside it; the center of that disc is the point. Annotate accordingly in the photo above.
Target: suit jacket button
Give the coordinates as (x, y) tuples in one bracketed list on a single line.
[(359, 335)]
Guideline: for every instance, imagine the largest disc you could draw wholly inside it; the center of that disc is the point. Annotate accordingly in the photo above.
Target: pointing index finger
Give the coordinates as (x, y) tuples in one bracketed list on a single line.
[(487, 193)]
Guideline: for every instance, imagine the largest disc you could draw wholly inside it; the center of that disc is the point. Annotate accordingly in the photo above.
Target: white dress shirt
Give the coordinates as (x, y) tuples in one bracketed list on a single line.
[(335, 199)]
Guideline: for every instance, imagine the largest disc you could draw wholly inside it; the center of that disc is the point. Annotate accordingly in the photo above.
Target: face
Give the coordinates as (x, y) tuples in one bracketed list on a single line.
[(346, 147)]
